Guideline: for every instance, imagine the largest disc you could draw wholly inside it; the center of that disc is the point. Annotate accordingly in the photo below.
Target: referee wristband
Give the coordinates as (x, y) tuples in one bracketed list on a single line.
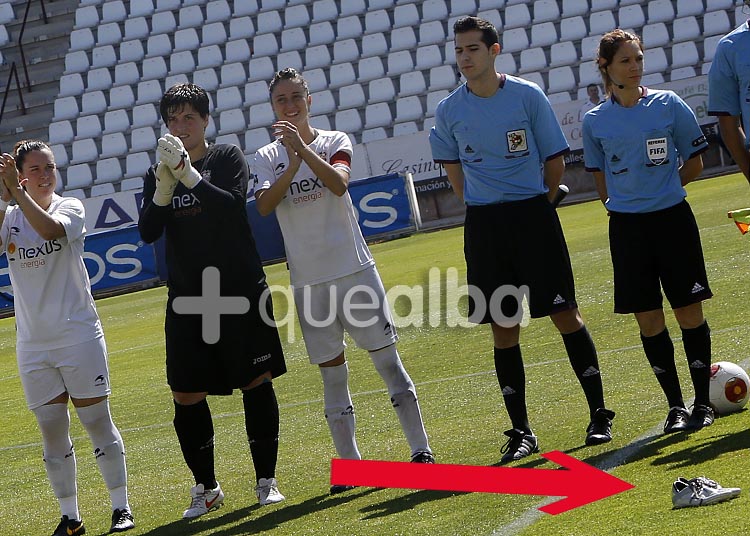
[(3, 205)]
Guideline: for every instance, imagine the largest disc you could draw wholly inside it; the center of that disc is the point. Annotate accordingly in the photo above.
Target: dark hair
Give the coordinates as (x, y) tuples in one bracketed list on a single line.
[(181, 94), (290, 73), (468, 24), (608, 47), (24, 147), (592, 85)]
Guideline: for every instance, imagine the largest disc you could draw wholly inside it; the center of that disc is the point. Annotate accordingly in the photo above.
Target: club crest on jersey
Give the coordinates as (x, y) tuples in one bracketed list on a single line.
[(656, 148), (517, 141), (206, 175)]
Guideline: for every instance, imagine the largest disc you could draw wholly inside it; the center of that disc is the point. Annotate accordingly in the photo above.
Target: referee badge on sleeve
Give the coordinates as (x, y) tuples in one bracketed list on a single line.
[(517, 141), (656, 148)]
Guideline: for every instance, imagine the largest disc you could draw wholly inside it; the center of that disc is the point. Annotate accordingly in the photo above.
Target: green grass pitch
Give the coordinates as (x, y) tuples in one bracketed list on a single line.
[(461, 403)]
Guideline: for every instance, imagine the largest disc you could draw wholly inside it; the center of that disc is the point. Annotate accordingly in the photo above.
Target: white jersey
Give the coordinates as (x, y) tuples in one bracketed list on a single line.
[(322, 238), (52, 293)]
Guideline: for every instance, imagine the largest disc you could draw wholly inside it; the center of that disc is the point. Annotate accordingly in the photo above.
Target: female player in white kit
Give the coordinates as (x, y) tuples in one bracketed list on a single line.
[(59, 339), (633, 143), (304, 177)]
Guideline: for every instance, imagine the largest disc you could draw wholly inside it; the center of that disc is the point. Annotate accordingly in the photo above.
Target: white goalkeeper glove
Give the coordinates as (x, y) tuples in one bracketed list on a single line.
[(165, 185), (173, 154)]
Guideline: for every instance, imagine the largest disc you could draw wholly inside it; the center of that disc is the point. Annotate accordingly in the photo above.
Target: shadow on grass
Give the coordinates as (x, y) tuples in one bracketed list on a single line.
[(272, 517)]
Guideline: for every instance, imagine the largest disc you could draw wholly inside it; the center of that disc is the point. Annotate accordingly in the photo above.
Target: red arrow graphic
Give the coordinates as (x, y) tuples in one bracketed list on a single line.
[(580, 483)]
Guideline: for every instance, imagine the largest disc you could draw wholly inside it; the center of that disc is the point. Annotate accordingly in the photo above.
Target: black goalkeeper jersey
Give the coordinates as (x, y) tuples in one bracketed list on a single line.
[(206, 226)]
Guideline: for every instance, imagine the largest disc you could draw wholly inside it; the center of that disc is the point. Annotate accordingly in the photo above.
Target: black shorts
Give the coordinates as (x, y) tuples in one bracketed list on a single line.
[(247, 348), (521, 244), (653, 248)]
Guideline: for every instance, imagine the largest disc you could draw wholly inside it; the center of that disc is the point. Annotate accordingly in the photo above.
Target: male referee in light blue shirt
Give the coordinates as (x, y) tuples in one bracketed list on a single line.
[(502, 149)]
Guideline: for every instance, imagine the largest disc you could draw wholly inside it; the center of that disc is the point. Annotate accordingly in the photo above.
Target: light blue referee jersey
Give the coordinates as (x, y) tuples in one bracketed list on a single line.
[(729, 77), (500, 141), (637, 148)]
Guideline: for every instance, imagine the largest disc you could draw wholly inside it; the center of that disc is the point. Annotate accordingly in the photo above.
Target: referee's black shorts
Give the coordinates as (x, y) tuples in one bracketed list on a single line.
[(247, 348), (517, 244), (653, 248)]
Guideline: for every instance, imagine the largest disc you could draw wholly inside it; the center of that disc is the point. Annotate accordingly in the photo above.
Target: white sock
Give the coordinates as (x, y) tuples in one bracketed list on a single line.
[(340, 410), (59, 457), (403, 396), (109, 450)]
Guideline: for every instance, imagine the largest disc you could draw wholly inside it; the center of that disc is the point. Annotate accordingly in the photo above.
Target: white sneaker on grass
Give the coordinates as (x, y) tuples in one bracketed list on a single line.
[(700, 491), (203, 501), (267, 491)]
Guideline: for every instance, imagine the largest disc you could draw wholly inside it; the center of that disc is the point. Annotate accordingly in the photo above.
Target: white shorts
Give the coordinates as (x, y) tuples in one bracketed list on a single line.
[(354, 303), (81, 370)]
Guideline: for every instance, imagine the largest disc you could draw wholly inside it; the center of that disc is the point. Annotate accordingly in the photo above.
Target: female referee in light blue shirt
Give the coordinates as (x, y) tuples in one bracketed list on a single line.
[(632, 143)]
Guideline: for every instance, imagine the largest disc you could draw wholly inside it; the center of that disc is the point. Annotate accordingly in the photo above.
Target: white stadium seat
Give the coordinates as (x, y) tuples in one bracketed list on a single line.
[(378, 115), (411, 83), (517, 16), (505, 63), (163, 22), (107, 170), (555, 98), (98, 79), (374, 134), (572, 29), (324, 10), (78, 176), (405, 15), (462, 7), (113, 145), (65, 108), (374, 45), (133, 183), (265, 45), (255, 138), (93, 102), (601, 22), (233, 74), (84, 151), (348, 27), (292, 39), (716, 22), (655, 35), (515, 40), (563, 54), (235, 51), (158, 45), (351, 96), (353, 7), (341, 74), (546, 11), (572, 8), (433, 99), (348, 121), (322, 102), (684, 54), (652, 79), (543, 35), (217, 11), (85, 17), (131, 50), (136, 28), (321, 33), (207, 79), (144, 115), (76, 62), (536, 78), (429, 56), (689, 7), (681, 72), (345, 50), (403, 129), (256, 92), (660, 11), (434, 10), (289, 59), (377, 21), (82, 39), (116, 121), (493, 16), (399, 62), (121, 97), (631, 16), (190, 17), (316, 80), (709, 47), (317, 56), (136, 164), (241, 28), (154, 68), (370, 68), (561, 79), (141, 8), (113, 11), (589, 46), (431, 33), (655, 61), (142, 139), (210, 56), (409, 109), (181, 62), (71, 84), (261, 115), (588, 73), (106, 188), (381, 90), (60, 154), (296, 16), (715, 5), (533, 59), (211, 34), (403, 39)]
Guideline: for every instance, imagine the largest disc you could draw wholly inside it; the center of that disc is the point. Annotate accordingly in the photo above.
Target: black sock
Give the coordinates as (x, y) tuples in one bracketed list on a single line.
[(262, 426), (195, 432), (697, 343), (582, 356), (512, 380), (660, 354)]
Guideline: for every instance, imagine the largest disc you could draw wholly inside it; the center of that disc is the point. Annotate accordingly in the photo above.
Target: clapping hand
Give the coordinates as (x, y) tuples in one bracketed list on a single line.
[(173, 154)]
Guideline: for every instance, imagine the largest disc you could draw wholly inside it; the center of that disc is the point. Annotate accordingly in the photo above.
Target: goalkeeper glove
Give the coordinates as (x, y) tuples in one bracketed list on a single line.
[(165, 185), (173, 154)]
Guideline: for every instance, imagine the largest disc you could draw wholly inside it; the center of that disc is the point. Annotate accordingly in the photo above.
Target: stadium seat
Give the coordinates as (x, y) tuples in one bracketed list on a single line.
[(655, 35), (689, 7), (241, 28), (136, 28), (461, 8), (316, 80), (399, 62), (93, 102), (116, 121), (256, 92), (431, 33), (61, 155), (85, 17), (158, 45), (428, 123), (353, 7), (261, 115), (515, 40), (82, 39), (292, 39), (322, 102), (244, 8), (228, 139), (546, 11), (556, 98), (71, 84), (573, 8), (370, 68), (709, 47), (113, 145), (211, 34), (561, 79), (563, 54), (449, 52), (684, 54), (149, 91), (324, 10), (76, 62), (411, 84), (681, 73), (505, 63), (589, 46), (543, 35), (98, 79), (533, 59), (218, 11), (321, 33), (381, 90), (78, 176), (434, 10), (715, 23), (233, 74), (190, 17), (163, 23), (348, 27), (107, 170), (181, 62), (133, 183), (289, 59), (443, 77), (601, 22), (404, 129), (517, 16), (487, 4), (210, 56), (652, 79), (345, 50), (405, 15), (4, 37), (378, 115), (144, 115), (341, 74), (631, 16), (493, 16), (65, 108), (655, 61), (207, 79), (572, 29), (377, 21), (142, 139), (348, 121), (137, 164), (660, 11), (84, 150), (379, 4), (317, 57), (255, 138), (351, 96), (131, 50), (588, 73), (629, 2), (141, 8), (433, 99), (78, 193), (536, 78), (374, 134), (113, 11), (296, 17), (374, 45), (428, 56), (265, 45), (154, 68), (106, 188), (715, 5), (236, 51), (121, 97), (403, 39)]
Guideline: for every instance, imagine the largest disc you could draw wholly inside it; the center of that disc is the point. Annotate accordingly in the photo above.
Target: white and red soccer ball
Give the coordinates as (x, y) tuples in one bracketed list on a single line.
[(729, 389)]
